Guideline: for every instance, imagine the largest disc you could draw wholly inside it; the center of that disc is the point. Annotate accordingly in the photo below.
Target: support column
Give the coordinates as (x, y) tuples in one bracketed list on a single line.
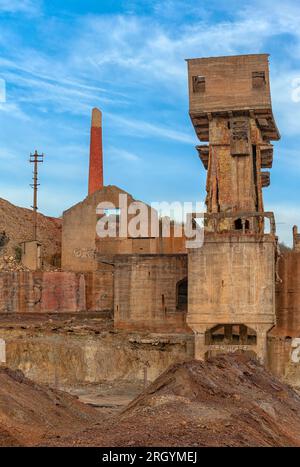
[(199, 345)]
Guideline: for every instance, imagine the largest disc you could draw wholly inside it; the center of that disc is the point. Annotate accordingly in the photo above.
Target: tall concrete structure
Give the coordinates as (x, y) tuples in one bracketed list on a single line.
[(96, 153), (231, 303), (296, 239)]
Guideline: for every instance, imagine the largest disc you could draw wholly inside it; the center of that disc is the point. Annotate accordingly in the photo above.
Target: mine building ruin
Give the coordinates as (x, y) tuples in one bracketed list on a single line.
[(159, 301)]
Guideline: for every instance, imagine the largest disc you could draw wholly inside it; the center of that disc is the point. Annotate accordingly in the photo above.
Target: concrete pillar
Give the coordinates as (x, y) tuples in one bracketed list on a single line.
[(31, 255), (200, 345), (261, 343), (96, 153)]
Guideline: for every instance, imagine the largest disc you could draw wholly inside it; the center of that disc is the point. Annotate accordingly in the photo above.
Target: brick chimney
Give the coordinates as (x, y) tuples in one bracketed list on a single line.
[(96, 154)]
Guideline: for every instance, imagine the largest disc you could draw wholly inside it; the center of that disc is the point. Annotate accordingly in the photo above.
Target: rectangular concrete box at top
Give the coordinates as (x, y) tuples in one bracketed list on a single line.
[(231, 83)]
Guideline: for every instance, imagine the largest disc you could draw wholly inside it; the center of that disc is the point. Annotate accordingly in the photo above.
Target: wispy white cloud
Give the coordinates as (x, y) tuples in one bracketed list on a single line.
[(28, 7), (120, 154), (133, 67), (141, 128), (15, 110)]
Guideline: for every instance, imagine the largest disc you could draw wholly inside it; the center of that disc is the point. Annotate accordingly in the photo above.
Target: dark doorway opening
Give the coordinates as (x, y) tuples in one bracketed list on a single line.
[(182, 294)]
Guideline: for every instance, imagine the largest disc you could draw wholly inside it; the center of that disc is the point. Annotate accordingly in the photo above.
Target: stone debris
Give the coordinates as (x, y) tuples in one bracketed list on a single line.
[(11, 264)]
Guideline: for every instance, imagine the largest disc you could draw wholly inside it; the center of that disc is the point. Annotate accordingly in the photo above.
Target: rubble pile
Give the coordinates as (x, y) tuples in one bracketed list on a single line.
[(10, 264)]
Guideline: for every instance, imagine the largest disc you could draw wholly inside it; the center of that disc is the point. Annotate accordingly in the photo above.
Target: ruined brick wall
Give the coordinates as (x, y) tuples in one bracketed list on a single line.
[(145, 292), (51, 292)]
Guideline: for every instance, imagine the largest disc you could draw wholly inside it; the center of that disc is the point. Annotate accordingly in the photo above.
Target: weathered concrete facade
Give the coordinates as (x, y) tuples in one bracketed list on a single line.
[(150, 292), (231, 292), (296, 239), (79, 234), (31, 255)]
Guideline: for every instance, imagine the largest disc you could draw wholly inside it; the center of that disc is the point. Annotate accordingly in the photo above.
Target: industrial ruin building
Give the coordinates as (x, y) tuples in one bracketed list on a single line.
[(166, 300)]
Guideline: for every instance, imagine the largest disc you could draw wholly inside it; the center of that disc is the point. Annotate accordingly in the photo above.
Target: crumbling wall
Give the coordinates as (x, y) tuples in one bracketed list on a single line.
[(51, 292)]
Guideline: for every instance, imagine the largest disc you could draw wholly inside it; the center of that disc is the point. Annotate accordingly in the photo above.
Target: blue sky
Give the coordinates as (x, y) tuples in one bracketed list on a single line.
[(61, 58)]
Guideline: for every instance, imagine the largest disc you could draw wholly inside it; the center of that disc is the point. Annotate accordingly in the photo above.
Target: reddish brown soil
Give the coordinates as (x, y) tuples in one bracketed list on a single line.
[(31, 413), (227, 401)]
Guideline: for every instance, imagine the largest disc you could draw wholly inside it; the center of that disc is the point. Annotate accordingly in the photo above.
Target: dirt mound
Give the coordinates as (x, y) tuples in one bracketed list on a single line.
[(33, 414), (16, 227), (227, 401)]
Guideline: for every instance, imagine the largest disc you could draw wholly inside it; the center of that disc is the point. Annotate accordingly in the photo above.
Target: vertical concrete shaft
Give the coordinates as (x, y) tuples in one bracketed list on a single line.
[(96, 153)]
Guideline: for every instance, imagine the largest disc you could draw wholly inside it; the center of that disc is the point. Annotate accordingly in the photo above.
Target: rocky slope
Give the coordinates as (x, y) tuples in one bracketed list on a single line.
[(16, 226)]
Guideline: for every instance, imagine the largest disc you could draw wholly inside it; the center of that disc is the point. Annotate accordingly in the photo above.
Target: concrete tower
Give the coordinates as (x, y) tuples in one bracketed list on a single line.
[(96, 153), (232, 277)]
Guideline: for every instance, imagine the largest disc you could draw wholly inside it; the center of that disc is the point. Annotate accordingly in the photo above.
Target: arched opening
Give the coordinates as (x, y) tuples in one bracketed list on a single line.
[(230, 334), (182, 294)]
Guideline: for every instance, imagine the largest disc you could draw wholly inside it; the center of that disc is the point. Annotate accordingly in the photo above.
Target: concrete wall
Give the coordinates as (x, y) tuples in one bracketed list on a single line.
[(79, 230), (232, 280), (145, 292), (47, 292), (31, 255)]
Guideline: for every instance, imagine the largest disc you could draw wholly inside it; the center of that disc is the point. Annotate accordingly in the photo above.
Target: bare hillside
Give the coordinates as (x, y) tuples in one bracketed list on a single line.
[(16, 226)]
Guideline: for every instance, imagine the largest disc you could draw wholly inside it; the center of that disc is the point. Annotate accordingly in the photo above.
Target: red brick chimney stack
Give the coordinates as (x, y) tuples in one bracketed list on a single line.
[(96, 153)]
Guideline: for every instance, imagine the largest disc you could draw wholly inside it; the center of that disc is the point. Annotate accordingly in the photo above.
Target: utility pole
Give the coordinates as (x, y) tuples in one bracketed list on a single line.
[(35, 159)]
